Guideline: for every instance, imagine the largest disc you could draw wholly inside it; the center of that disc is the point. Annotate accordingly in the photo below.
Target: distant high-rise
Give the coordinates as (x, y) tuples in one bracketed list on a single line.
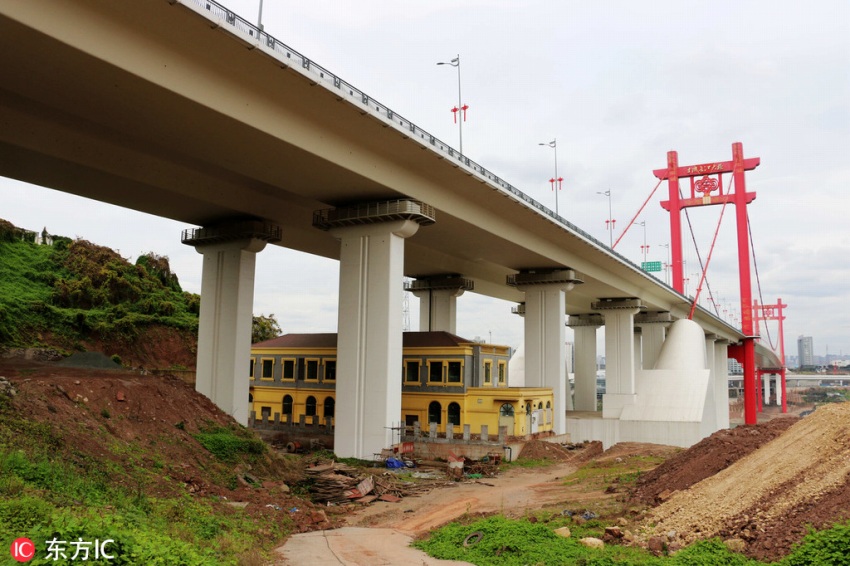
[(806, 351)]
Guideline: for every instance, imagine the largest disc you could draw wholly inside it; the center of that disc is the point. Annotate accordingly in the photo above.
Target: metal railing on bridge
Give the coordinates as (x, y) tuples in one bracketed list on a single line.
[(262, 40)]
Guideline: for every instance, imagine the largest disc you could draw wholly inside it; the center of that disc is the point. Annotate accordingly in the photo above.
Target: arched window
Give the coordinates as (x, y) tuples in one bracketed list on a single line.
[(506, 410), (540, 405), (453, 414), (435, 412), (548, 404), (250, 397), (329, 407), (287, 404), (310, 407), (528, 407)]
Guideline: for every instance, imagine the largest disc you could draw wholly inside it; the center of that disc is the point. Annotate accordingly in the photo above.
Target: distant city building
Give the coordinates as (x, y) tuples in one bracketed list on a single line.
[(734, 368), (805, 352)]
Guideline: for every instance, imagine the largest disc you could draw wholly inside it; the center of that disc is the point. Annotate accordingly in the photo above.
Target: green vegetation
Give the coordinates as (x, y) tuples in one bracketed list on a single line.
[(75, 289), (830, 547), (51, 490), (229, 445), (598, 475), (519, 542), (821, 395), (264, 328)]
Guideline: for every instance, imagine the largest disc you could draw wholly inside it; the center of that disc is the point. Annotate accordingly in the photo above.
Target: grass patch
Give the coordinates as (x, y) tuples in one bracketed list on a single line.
[(228, 446)]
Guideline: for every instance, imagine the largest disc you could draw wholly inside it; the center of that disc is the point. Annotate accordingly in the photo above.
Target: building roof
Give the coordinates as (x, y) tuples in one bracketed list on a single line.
[(328, 340)]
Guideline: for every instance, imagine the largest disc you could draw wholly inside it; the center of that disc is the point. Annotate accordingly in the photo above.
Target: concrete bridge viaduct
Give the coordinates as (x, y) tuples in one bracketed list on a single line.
[(181, 109)]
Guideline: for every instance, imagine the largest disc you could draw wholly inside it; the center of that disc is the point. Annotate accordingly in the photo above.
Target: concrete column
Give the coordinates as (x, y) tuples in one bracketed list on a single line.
[(710, 418), (369, 345), (545, 334), (224, 329), (619, 354), (766, 387), (438, 301), (638, 349), (721, 383), (653, 327), (779, 389), (584, 329)]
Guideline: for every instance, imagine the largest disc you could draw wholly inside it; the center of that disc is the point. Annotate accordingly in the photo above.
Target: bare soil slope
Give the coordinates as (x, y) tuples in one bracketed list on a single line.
[(769, 497), (151, 422), (706, 458)]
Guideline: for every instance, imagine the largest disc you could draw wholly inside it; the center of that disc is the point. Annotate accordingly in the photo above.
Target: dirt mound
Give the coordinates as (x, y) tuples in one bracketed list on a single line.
[(706, 458), (151, 422), (767, 498), (553, 451)]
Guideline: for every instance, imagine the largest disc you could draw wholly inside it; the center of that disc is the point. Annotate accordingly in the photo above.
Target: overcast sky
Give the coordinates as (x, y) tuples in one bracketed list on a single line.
[(618, 83)]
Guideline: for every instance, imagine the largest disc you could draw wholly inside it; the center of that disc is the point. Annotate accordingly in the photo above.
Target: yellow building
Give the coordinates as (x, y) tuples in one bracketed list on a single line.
[(445, 379)]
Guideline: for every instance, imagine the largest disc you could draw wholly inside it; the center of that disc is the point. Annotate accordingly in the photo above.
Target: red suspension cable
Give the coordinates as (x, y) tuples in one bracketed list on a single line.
[(707, 262), (638, 214)]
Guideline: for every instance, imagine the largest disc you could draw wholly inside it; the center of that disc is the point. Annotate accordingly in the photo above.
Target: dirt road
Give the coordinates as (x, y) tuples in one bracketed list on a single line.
[(511, 494), (380, 534)]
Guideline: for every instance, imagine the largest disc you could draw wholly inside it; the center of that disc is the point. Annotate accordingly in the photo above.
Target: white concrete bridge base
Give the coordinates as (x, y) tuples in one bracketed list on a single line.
[(584, 332), (369, 348), (224, 328), (670, 404), (545, 335)]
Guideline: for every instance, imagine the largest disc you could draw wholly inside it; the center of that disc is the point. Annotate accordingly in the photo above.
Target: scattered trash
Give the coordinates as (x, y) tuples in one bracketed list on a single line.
[(474, 538)]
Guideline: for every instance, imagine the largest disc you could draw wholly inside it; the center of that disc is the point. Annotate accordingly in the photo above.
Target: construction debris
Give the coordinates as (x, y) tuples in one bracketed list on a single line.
[(336, 484)]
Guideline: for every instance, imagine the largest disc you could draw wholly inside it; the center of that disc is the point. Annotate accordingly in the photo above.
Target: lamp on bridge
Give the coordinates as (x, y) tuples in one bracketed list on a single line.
[(666, 265), (461, 107), (609, 224), (645, 247), (555, 181)]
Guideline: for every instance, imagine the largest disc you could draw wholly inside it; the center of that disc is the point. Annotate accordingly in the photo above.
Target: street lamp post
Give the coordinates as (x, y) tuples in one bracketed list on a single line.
[(666, 265), (609, 224), (645, 247), (260, 18), (461, 107), (555, 181)]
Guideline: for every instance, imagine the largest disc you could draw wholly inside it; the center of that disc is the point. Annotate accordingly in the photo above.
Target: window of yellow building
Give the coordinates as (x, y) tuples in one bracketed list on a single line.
[(502, 373), (267, 369), (455, 372), (411, 372), (287, 405), (288, 369), (330, 370), (435, 371), (329, 406), (310, 406), (435, 412), (251, 369), (488, 372), (453, 414), (312, 370)]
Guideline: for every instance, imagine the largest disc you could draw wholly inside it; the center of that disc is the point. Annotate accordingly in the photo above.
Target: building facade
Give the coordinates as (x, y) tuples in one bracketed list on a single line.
[(444, 379), (806, 352)]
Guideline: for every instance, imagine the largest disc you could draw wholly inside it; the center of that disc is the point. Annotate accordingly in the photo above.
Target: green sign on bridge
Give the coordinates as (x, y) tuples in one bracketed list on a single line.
[(651, 266)]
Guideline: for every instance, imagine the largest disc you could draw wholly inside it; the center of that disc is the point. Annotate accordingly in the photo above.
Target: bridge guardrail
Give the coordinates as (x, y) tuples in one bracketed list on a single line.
[(267, 43)]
